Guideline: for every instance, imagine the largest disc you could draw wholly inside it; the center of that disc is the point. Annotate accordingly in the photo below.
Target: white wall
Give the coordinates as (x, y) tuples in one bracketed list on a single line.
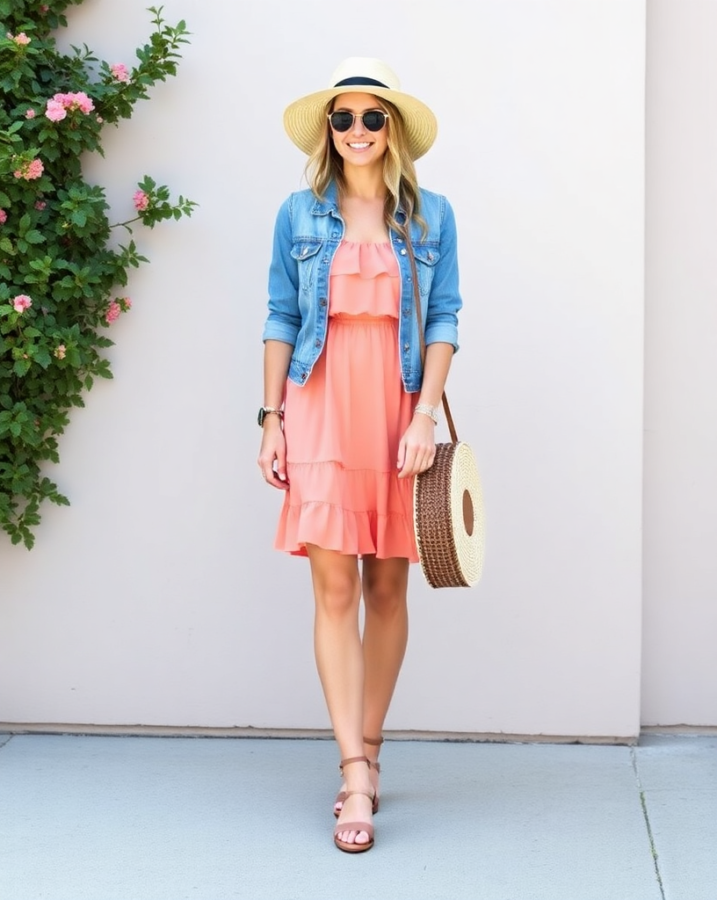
[(156, 598), (680, 618)]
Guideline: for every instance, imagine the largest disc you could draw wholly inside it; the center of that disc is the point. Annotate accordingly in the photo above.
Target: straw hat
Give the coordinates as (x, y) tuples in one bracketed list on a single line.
[(305, 120)]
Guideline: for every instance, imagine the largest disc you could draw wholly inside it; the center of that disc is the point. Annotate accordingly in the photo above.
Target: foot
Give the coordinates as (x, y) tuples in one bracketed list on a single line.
[(355, 811), (356, 808)]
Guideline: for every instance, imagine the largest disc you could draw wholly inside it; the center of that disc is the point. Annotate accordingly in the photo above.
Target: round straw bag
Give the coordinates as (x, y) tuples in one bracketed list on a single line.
[(448, 518), (447, 498)]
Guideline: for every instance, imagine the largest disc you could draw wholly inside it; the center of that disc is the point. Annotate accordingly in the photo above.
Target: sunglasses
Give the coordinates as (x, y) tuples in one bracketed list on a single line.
[(373, 119)]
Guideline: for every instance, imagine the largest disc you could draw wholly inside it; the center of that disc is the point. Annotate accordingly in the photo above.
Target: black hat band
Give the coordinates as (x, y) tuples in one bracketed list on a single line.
[(357, 79)]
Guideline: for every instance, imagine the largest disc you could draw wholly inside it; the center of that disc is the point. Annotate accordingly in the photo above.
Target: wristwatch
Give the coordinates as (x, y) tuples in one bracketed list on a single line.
[(265, 411)]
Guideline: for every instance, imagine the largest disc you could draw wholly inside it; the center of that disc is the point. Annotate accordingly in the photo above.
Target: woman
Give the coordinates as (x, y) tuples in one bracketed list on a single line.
[(349, 410)]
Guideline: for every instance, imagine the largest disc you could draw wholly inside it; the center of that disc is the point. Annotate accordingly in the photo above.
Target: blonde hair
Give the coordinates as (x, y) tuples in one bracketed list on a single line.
[(399, 173)]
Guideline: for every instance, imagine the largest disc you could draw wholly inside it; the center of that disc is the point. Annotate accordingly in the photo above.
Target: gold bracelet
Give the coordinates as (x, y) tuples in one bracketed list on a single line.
[(427, 410)]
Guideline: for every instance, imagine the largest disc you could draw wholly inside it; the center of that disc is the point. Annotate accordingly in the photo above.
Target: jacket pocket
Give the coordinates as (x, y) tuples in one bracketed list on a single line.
[(426, 259), (305, 255)]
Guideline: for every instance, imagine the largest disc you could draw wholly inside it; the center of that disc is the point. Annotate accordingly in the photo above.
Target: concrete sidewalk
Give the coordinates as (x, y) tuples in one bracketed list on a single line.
[(160, 818)]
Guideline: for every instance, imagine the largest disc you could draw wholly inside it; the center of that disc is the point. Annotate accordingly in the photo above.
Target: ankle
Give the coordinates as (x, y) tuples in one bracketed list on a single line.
[(372, 748), (356, 773)]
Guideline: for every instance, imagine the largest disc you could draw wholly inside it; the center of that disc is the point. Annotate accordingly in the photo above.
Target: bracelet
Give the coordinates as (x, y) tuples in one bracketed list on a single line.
[(427, 410)]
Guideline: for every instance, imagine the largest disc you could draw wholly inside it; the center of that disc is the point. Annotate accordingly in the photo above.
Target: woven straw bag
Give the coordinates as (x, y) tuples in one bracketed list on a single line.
[(448, 514)]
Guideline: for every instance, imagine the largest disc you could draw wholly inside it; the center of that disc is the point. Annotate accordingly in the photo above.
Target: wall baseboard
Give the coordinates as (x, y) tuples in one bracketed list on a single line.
[(306, 734)]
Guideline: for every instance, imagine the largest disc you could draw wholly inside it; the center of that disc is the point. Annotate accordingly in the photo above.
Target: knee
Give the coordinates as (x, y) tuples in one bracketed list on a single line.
[(385, 596), (337, 594)]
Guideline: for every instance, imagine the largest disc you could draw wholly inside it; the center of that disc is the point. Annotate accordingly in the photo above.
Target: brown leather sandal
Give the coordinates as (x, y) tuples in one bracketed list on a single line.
[(341, 796), (354, 826)]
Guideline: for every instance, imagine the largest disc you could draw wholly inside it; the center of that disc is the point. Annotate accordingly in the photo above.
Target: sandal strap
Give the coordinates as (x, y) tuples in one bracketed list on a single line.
[(369, 794), (356, 826), (353, 759)]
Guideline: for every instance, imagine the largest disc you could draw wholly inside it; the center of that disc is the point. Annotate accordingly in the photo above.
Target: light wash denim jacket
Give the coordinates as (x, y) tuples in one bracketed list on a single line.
[(307, 234)]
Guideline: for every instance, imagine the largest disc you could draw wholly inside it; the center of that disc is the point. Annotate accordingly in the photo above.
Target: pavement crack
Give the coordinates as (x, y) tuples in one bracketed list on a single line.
[(648, 826)]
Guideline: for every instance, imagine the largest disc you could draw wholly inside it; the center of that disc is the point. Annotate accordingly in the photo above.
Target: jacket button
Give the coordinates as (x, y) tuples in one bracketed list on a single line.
[(406, 348), (403, 252), (322, 302), (303, 376), (318, 343)]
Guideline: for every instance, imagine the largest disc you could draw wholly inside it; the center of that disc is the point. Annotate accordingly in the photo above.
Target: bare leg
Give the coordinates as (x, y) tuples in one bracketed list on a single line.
[(385, 586), (339, 660)]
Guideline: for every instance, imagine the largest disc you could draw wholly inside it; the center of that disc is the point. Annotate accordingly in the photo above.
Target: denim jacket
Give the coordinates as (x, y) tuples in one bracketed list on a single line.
[(308, 232)]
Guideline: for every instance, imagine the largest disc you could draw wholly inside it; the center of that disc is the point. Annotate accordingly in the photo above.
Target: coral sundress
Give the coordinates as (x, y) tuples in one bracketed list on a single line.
[(343, 426)]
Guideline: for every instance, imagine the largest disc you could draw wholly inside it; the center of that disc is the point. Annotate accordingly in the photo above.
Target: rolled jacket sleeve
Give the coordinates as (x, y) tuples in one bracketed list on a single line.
[(284, 319), (444, 300)]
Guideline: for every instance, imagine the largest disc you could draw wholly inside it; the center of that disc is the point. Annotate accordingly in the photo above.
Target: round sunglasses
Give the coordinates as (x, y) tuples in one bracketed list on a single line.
[(373, 119)]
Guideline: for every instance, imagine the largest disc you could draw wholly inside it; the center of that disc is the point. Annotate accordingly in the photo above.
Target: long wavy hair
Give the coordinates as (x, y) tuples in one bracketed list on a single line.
[(399, 173)]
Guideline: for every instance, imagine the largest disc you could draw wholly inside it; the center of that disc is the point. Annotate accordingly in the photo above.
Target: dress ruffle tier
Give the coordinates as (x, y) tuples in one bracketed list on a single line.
[(343, 426)]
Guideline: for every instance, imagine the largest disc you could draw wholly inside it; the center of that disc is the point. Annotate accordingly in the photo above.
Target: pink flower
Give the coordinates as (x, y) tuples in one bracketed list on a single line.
[(22, 40), (29, 170), (55, 110), (21, 303), (44, 8), (40, 204), (141, 201), (82, 102), (70, 102), (3, 217), (30, 114), (60, 351), (120, 72), (113, 312)]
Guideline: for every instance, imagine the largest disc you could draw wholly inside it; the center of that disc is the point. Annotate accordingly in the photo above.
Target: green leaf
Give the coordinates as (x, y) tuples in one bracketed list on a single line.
[(21, 366), (77, 271)]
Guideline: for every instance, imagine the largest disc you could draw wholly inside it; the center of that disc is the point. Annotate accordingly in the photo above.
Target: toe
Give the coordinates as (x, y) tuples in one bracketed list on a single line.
[(354, 837)]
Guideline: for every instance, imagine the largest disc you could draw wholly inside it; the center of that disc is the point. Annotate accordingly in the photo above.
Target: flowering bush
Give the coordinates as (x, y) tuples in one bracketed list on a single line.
[(60, 270)]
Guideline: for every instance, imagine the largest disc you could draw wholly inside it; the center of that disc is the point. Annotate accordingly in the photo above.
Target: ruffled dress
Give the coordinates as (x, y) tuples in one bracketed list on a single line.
[(343, 426)]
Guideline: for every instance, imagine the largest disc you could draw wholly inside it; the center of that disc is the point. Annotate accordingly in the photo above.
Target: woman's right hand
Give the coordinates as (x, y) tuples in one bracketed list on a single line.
[(272, 455)]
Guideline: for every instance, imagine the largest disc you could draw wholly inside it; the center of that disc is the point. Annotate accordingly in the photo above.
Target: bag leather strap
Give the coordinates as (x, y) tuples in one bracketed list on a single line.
[(422, 337)]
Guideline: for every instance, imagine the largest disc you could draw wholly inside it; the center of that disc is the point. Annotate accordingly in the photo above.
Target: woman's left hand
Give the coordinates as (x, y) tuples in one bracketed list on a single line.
[(417, 447)]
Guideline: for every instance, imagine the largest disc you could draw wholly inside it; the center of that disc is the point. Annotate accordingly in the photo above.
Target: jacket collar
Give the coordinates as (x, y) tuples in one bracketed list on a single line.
[(330, 203)]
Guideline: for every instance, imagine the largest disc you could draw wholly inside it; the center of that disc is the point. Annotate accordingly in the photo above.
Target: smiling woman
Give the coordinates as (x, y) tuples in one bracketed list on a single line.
[(349, 406)]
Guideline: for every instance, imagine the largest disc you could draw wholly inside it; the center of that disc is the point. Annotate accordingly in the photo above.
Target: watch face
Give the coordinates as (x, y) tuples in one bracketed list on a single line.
[(260, 417)]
